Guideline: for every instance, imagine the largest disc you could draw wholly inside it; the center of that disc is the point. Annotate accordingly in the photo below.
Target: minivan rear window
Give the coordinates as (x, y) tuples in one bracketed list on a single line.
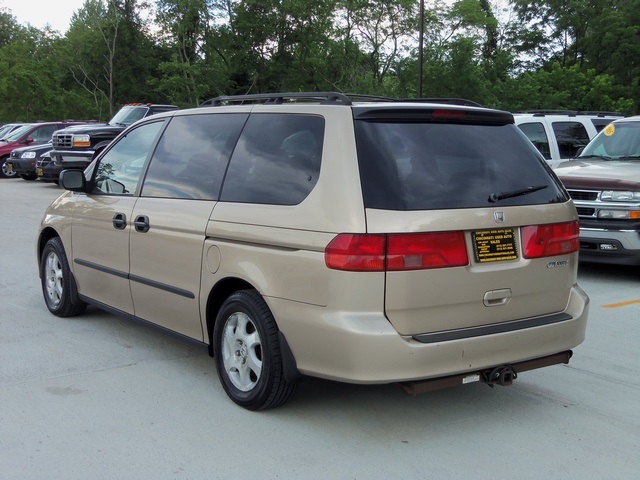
[(425, 166)]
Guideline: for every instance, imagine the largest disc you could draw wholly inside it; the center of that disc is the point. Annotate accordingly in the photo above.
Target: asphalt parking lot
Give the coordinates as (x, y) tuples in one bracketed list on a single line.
[(100, 397)]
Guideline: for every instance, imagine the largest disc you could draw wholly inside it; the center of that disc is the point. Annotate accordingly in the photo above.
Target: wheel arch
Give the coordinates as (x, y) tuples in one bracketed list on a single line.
[(45, 235), (220, 292), (99, 147)]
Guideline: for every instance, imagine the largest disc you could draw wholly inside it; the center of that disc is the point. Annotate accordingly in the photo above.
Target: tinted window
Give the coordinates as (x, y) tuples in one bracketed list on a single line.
[(192, 156), (536, 134), (571, 136), (276, 160), (423, 166), (118, 171)]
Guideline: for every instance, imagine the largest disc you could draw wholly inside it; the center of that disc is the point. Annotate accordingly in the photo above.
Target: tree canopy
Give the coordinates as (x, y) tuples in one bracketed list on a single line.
[(540, 54)]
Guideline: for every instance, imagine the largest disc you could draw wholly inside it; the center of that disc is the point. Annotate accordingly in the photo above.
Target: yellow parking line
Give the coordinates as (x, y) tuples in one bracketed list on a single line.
[(621, 304)]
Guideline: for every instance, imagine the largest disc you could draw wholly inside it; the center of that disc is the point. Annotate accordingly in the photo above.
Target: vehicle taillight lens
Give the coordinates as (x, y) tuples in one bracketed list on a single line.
[(449, 114), (426, 250), (549, 240), (356, 253), (395, 252)]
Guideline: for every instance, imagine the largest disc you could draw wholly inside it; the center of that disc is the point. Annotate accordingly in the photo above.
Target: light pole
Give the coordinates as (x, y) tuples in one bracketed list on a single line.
[(420, 43)]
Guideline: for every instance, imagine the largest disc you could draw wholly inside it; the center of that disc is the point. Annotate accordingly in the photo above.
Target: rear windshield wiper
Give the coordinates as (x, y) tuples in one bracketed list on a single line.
[(496, 197)]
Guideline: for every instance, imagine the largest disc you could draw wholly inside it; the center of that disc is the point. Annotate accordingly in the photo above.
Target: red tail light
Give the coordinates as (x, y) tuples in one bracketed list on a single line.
[(549, 240), (356, 253), (449, 114), (395, 252), (426, 250)]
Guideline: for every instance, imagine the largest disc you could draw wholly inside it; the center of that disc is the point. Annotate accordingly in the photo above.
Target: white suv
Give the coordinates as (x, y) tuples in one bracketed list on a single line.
[(559, 135)]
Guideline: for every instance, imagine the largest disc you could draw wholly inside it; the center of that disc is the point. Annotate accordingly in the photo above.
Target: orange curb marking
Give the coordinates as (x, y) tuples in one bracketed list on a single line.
[(621, 304)]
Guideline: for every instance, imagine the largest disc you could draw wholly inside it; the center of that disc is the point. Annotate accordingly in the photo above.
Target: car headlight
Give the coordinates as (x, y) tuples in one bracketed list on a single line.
[(28, 155), (619, 196), (81, 141), (619, 214)]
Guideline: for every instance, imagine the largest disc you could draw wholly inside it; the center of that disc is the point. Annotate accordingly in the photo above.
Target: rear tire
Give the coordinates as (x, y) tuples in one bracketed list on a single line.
[(248, 354), (58, 286)]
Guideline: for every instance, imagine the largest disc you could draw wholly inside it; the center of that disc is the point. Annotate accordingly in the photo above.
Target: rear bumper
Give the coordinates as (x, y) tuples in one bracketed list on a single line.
[(365, 348)]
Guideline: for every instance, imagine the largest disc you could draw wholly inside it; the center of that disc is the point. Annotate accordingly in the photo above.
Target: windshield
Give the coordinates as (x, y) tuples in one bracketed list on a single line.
[(16, 134), (128, 115), (617, 140), (4, 130), (423, 166)]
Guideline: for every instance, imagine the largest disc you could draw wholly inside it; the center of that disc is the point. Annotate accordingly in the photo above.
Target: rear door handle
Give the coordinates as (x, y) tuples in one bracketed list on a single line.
[(494, 298), (120, 221), (142, 224)]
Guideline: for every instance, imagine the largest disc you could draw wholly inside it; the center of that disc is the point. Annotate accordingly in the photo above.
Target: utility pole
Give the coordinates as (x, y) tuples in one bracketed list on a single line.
[(420, 45)]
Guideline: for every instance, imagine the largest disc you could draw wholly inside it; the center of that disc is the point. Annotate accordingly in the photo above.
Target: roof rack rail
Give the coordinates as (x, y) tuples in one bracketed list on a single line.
[(450, 101), (598, 113), (278, 98), (327, 98)]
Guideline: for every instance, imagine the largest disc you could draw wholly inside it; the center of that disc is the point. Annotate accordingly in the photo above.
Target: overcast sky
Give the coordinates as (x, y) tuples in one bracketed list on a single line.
[(38, 13)]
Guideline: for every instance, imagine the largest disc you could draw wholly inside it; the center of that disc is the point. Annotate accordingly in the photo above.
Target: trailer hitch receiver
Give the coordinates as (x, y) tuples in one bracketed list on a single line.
[(504, 376)]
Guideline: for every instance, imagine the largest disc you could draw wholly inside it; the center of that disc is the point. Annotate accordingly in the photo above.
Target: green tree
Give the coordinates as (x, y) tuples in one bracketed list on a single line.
[(30, 77)]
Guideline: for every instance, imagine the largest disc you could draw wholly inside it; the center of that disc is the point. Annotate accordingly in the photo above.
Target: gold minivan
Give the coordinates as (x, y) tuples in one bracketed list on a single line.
[(411, 242)]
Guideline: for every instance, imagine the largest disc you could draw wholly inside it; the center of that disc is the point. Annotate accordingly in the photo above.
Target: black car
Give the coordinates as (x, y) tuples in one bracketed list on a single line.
[(76, 147), (47, 170), (22, 161)]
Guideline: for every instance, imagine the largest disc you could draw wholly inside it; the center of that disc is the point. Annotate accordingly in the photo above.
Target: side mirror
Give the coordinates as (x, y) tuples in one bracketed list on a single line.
[(579, 151), (29, 140), (73, 180)]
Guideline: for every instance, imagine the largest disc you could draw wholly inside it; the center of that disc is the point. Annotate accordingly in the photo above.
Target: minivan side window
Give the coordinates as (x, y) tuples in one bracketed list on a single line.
[(192, 156), (276, 161), (536, 134), (118, 171), (571, 136)]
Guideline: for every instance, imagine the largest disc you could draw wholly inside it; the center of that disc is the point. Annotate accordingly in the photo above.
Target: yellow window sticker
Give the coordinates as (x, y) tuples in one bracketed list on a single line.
[(609, 129)]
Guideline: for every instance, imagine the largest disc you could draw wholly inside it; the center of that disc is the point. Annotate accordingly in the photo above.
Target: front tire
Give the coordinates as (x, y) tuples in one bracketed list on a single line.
[(248, 353), (58, 287), (4, 170)]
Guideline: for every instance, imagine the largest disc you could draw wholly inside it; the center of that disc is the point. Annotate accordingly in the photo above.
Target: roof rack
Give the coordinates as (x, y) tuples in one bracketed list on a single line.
[(326, 98), (278, 98), (597, 113)]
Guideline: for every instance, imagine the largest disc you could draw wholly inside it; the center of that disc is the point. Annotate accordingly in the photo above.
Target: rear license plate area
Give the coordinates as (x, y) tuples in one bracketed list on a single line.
[(495, 245)]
